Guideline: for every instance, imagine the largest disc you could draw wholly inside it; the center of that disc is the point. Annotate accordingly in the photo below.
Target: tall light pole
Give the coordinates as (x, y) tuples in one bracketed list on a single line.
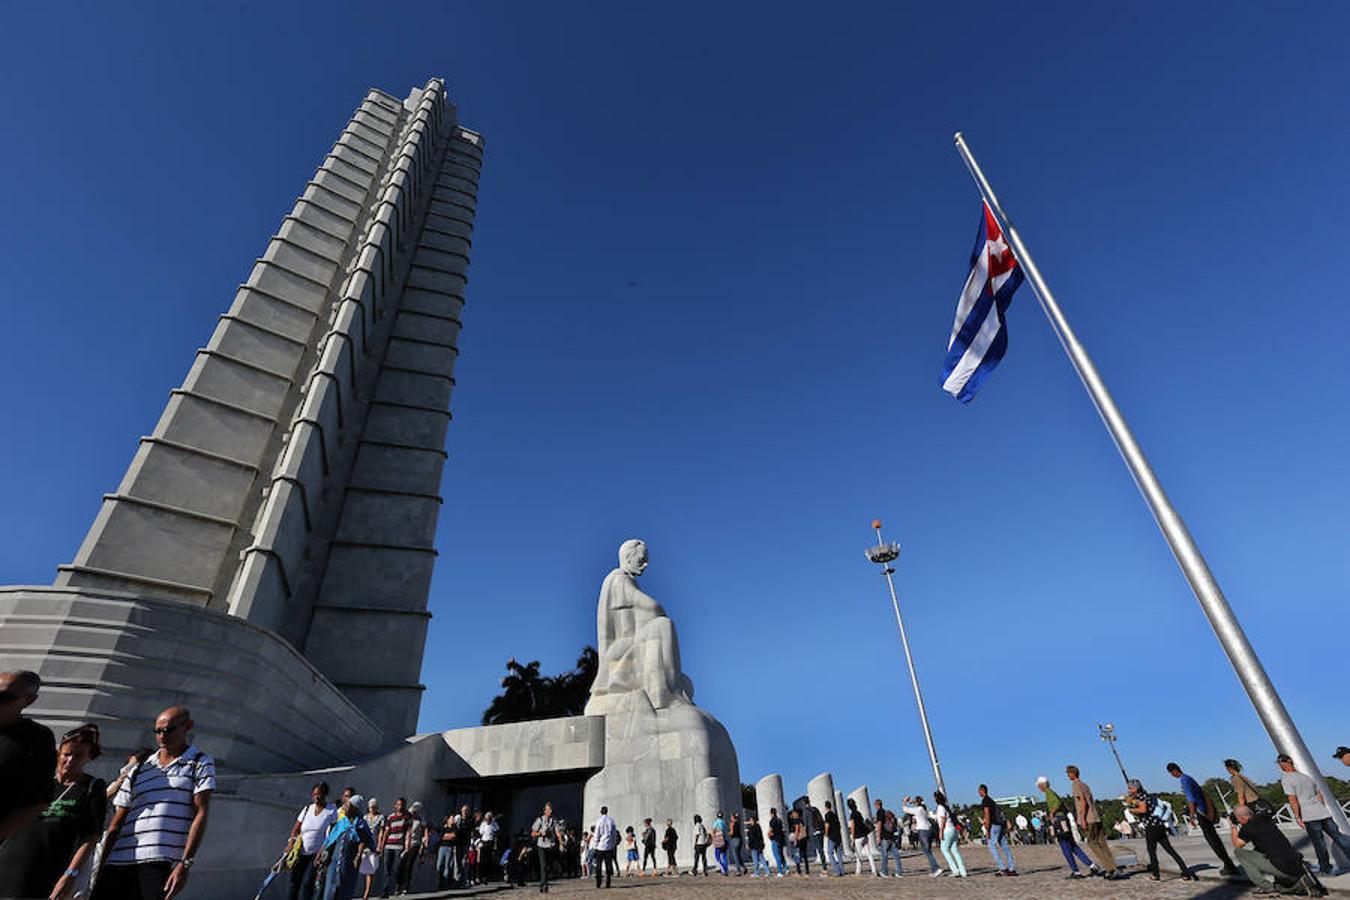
[(883, 554), (1107, 733)]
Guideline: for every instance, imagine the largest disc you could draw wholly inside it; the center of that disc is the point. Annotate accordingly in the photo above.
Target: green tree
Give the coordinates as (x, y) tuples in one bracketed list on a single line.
[(527, 696)]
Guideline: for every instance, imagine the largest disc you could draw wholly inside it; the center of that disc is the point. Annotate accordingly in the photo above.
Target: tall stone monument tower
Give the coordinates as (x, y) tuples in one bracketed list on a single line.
[(281, 513)]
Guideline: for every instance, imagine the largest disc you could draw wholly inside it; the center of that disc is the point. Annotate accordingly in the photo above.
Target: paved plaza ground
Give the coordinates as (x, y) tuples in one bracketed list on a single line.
[(1042, 867)]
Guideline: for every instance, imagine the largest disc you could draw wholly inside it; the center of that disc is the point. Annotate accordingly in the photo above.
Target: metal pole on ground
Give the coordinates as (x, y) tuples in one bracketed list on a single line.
[(1266, 701), (884, 554)]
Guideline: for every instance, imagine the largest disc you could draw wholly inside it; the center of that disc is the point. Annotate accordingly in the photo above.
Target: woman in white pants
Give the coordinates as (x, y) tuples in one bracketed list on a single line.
[(860, 833), (947, 828)]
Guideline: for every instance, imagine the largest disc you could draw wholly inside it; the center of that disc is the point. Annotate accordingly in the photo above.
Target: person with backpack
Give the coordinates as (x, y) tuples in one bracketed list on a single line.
[(648, 848), (1246, 791), (996, 826), (1156, 815), (1061, 828), (951, 834), (1206, 813), (546, 832), (669, 841), (860, 832), (701, 842), (719, 842), (885, 831)]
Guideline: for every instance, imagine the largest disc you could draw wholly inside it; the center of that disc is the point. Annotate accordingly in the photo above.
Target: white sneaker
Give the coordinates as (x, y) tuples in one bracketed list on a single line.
[(936, 873)]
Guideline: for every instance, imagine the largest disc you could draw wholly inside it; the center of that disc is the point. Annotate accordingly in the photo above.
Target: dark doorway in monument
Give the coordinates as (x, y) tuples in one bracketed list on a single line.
[(517, 799)]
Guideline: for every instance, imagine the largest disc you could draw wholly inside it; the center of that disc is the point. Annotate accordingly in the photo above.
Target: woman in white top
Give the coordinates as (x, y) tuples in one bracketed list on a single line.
[(310, 827), (923, 831), (370, 857), (947, 827)]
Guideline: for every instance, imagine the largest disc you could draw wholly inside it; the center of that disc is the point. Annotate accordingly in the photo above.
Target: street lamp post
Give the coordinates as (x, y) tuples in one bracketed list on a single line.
[(883, 554), (1107, 733)]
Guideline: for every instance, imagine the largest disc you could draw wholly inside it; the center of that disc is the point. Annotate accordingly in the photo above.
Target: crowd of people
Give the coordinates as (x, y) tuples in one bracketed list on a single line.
[(57, 837)]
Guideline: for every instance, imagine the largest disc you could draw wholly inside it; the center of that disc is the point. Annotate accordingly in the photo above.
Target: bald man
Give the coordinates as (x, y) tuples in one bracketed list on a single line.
[(27, 754), (159, 817)]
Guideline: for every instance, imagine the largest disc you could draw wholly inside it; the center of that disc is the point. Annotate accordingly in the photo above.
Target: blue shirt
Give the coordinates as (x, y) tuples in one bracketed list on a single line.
[(1191, 789)]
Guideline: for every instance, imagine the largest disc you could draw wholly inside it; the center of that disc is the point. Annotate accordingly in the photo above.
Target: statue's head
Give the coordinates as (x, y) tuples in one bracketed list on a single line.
[(633, 557)]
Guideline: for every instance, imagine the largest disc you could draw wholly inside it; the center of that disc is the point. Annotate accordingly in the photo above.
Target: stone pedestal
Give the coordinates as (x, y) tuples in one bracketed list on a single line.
[(769, 796), (663, 764)]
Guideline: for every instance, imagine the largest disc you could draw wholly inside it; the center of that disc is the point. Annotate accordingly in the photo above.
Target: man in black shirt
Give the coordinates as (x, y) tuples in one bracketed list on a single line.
[(834, 839), (1263, 852), (996, 827), (27, 754)]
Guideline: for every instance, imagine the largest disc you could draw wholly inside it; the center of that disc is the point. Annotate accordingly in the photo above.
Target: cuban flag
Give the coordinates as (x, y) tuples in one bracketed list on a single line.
[(979, 334)]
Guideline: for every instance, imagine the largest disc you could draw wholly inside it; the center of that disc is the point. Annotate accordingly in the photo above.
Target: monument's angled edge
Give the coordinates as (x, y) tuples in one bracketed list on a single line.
[(284, 505)]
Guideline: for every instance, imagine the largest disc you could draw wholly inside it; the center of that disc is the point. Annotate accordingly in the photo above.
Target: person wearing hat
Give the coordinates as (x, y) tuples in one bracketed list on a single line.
[(342, 849), (1343, 754), (1311, 811)]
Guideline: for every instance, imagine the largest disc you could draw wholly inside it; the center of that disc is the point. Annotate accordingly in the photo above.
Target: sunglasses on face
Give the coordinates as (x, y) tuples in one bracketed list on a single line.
[(167, 728)]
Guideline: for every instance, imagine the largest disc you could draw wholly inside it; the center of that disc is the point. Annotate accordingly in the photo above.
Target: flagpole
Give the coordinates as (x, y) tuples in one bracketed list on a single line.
[(1250, 672)]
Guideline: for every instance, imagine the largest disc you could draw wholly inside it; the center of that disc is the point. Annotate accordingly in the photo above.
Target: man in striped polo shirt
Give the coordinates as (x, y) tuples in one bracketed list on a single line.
[(159, 817)]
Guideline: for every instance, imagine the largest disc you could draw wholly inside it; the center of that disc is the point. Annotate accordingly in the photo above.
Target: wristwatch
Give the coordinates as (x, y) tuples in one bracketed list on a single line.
[(72, 873), (186, 862)]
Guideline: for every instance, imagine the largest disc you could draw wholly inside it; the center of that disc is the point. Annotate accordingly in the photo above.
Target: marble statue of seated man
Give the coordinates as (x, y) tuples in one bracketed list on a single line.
[(638, 648)]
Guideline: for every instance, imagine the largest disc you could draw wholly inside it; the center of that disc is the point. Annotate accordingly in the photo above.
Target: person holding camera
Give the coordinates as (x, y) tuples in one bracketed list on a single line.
[(1263, 852)]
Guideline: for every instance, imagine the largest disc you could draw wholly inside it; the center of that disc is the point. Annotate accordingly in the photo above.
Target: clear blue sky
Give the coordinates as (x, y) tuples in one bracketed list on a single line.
[(783, 191)]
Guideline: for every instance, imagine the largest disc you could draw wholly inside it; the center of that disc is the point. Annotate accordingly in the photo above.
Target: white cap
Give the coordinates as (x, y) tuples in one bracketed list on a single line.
[(1042, 780)]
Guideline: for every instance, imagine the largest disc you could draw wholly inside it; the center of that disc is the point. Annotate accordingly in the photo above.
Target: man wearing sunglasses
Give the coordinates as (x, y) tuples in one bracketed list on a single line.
[(27, 754), (159, 817)]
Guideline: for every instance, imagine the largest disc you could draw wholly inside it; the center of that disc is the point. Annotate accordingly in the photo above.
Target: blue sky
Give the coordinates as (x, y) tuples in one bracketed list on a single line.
[(717, 256)]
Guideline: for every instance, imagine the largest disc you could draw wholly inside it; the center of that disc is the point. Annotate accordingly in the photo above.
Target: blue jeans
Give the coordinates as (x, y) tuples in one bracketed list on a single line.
[(889, 847), (836, 853), (1316, 829), (757, 859), (1070, 849), (997, 839), (720, 854), (815, 846), (390, 866), (447, 866), (736, 858), (925, 838), (340, 879), (778, 856)]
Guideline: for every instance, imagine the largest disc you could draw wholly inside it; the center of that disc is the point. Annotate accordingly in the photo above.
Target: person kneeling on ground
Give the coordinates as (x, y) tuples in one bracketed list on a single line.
[(1263, 852)]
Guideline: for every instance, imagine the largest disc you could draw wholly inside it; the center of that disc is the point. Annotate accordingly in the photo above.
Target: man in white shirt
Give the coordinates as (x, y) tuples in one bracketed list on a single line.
[(1311, 812), (159, 817), (605, 841)]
